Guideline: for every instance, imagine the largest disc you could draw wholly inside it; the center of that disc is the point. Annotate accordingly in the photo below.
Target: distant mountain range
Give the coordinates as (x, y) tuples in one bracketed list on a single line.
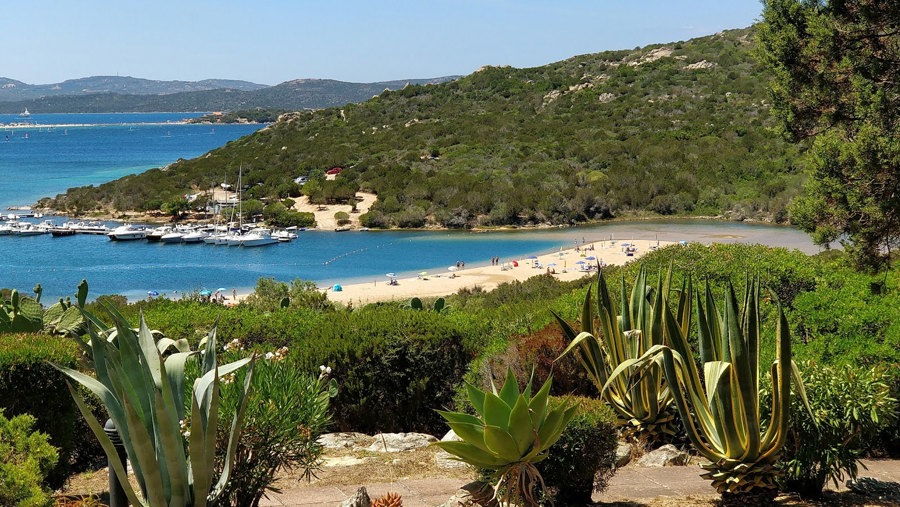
[(103, 94)]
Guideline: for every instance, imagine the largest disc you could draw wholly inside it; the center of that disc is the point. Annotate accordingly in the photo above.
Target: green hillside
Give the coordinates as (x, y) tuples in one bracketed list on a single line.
[(680, 128)]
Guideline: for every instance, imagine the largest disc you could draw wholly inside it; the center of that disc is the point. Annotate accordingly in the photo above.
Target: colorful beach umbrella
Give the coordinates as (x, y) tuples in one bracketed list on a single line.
[(152, 293), (205, 292)]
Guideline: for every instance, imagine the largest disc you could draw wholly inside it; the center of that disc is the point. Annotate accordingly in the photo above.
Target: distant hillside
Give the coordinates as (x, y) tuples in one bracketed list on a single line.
[(17, 91), (675, 129), (114, 94)]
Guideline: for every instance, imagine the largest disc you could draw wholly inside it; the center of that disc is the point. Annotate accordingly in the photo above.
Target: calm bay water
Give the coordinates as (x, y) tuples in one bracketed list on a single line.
[(51, 160), (88, 149)]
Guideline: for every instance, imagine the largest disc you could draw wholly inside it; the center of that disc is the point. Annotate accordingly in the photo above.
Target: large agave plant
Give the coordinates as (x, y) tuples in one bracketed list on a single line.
[(510, 433), (619, 333), (720, 409), (140, 382)]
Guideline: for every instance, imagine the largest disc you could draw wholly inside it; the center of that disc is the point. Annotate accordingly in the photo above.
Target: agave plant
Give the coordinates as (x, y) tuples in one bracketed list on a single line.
[(510, 433), (140, 382), (721, 410), (619, 334)]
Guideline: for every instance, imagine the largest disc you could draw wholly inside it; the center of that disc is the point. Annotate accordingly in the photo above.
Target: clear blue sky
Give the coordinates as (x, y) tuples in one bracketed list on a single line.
[(271, 41)]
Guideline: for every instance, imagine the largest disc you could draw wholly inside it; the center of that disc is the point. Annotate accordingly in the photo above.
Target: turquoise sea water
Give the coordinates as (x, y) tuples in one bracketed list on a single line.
[(51, 160), (38, 160)]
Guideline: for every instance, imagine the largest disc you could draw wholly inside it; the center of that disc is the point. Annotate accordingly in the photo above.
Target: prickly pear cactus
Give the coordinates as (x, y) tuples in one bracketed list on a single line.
[(21, 314)]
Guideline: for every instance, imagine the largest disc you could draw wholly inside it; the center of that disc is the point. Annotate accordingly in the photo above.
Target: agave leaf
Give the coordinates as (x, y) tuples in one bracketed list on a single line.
[(501, 443), (510, 391), (471, 433), (145, 454), (111, 453), (459, 417), (174, 368), (476, 398), (520, 426), (471, 454), (197, 449), (538, 405), (496, 411), (234, 437), (169, 434)]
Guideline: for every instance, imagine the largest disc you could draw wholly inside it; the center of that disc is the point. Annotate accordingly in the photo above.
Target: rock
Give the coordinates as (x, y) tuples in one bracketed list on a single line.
[(359, 499), (344, 440), (443, 458), (623, 454), (466, 496), (400, 442), (667, 455), (343, 461)]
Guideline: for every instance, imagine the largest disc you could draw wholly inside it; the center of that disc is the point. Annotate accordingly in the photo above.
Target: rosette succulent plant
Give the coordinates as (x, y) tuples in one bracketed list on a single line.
[(140, 381), (511, 431), (616, 333), (721, 409)]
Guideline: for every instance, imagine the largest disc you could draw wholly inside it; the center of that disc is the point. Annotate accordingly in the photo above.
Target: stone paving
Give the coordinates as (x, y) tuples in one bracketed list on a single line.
[(630, 483)]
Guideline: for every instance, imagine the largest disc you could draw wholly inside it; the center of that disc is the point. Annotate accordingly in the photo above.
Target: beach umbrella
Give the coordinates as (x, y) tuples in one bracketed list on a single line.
[(152, 293), (205, 292), (581, 262), (591, 258), (391, 275), (221, 289), (423, 273), (532, 256), (337, 288), (452, 268)]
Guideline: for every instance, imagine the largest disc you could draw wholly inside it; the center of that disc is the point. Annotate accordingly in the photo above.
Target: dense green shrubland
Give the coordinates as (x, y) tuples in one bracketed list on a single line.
[(394, 366), (29, 385), (587, 138), (26, 457)]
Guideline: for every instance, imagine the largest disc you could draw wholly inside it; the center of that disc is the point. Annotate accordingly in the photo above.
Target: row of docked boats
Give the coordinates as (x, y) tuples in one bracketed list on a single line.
[(206, 234), (22, 228), (210, 235)]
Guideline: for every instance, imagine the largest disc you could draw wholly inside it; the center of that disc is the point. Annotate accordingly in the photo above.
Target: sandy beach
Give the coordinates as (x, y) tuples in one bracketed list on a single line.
[(566, 265)]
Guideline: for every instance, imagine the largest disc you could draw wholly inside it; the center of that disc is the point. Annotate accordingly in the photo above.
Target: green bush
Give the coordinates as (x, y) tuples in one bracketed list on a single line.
[(286, 414), (393, 367), (850, 405), (29, 385), (26, 457), (584, 458)]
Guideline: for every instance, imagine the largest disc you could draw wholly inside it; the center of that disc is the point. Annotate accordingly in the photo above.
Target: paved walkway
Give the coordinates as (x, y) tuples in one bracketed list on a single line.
[(630, 483)]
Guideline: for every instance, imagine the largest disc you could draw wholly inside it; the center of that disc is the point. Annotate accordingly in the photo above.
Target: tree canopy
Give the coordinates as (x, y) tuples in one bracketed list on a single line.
[(837, 83)]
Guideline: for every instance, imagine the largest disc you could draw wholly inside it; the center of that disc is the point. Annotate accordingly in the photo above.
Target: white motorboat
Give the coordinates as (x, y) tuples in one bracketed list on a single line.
[(28, 229), (194, 237), (127, 232), (284, 235), (91, 228), (258, 237), (172, 237), (157, 233)]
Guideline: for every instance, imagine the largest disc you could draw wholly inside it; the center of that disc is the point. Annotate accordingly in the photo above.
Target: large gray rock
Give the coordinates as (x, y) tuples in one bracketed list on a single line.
[(344, 440), (665, 456), (400, 442), (623, 454), (443, 458), (359, 499)]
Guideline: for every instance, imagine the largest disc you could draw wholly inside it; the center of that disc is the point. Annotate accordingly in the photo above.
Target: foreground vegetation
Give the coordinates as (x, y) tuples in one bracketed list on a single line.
[(403, 363), (680, 128)]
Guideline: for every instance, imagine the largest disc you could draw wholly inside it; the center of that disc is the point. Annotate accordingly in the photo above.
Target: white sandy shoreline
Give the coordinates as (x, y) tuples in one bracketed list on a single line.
[(565, 265)]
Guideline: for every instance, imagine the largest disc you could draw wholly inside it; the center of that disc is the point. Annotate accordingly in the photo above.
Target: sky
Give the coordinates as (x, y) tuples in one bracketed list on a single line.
[(362, 41)]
